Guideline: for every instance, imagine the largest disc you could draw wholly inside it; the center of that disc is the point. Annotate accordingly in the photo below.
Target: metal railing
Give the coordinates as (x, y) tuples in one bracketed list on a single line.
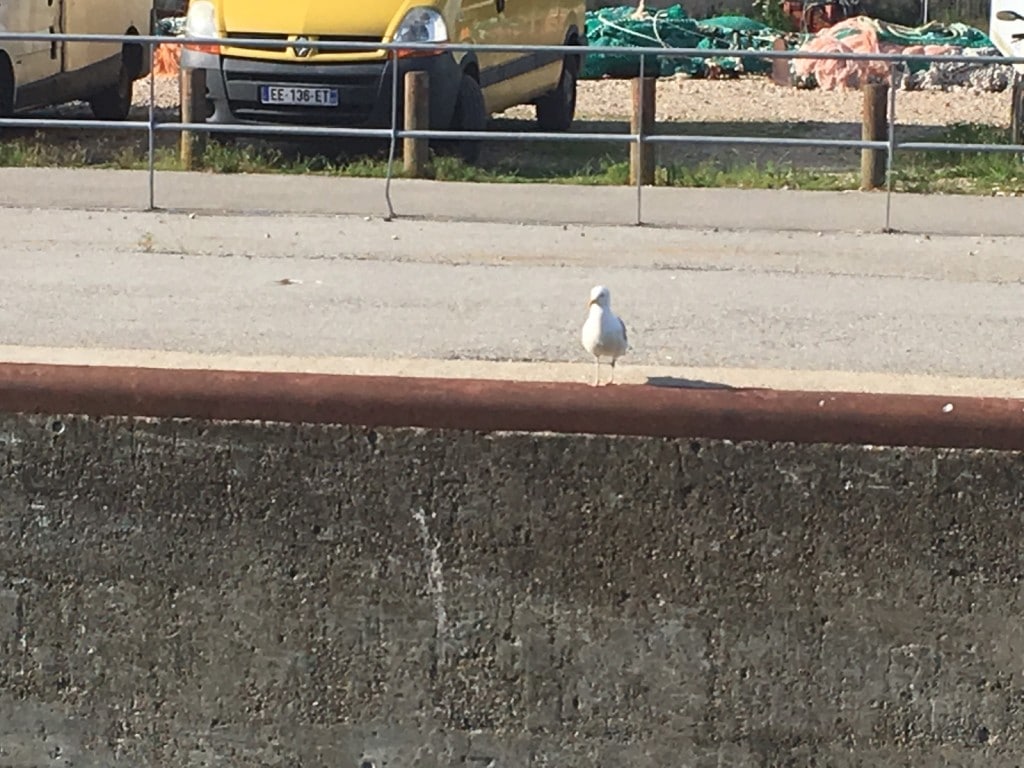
[(896, 63)]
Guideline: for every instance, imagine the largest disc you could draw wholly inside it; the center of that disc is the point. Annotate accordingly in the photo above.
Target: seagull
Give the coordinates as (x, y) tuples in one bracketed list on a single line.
[(604, 333)]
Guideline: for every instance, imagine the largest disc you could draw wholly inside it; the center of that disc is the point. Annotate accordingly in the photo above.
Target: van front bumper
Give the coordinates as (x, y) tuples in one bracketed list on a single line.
[(364, 90)]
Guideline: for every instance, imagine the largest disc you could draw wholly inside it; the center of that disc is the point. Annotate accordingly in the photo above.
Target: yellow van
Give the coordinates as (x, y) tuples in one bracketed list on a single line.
[(300, 83), (39, 74)]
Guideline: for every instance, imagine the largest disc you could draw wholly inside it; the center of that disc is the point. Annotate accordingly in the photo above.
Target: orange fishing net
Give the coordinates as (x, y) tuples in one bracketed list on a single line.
[(166, 59), (856, 35)]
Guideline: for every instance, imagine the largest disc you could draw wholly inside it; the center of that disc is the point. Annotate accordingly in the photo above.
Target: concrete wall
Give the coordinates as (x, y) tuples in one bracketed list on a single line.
[(186, 593)]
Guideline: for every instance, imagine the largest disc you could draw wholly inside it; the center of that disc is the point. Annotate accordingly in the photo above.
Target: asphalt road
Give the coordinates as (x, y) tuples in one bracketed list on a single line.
[(318, 288)]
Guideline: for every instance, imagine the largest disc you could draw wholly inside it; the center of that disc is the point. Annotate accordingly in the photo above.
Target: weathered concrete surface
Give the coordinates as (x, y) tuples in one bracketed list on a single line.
[(200, 594)]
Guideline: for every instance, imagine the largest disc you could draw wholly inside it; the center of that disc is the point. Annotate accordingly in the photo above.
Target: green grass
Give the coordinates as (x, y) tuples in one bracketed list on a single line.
[(761, 176), (594, 163), (962, 172)]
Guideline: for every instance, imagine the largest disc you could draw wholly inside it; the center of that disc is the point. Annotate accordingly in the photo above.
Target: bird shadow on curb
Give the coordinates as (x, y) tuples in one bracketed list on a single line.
[(675, 382)]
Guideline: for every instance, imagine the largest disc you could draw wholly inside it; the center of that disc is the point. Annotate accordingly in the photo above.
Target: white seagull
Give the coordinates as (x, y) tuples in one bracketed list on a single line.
[(604, 333)]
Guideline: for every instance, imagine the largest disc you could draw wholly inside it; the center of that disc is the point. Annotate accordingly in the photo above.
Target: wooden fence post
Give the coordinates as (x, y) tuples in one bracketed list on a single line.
[(193, 109), (642, 159), (415, 154), (874, 127), (1017, 110)]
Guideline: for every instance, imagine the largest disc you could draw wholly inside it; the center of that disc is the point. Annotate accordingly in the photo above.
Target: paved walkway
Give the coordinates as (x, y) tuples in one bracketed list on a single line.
[(734, 209)]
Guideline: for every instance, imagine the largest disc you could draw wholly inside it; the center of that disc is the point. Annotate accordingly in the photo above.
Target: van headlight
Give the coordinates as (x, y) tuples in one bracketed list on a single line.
[(422, 25), (201, 21)]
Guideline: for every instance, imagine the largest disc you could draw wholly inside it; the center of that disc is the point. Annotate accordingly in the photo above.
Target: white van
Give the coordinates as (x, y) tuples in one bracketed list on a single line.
[(1006, 30), (39, 74)]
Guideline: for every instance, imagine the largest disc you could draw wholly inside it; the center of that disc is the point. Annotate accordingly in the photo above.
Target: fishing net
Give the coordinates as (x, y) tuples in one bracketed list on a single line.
[(618, 27)]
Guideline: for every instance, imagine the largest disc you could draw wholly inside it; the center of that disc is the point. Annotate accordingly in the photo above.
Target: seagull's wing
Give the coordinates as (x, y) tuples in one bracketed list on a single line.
[(625, 338)]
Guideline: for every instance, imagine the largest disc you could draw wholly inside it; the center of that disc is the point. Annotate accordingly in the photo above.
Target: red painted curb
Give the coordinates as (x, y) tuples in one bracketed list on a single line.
[(642, 410)]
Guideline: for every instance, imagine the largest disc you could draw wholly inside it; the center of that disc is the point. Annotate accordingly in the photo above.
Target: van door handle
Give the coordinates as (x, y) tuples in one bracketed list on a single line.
[(500, 5)]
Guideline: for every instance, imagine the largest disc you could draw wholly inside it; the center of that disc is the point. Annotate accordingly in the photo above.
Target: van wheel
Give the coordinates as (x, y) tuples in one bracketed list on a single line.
[(115, 101), (470, 115), (556, 110)]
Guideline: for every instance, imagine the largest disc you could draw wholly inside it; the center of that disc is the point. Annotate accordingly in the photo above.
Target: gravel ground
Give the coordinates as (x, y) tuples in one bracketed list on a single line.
[(747, 99), (757, 99), (742, 106)]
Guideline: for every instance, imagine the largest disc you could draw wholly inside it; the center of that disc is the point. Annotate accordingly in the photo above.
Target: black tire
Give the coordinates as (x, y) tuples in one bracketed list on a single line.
[(470, 115), (557, 109), (115, 101)]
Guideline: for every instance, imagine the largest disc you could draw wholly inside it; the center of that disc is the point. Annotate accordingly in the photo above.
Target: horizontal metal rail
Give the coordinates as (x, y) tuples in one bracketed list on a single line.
[(154, 126), (490, 406), (939, 146), (383, 133)]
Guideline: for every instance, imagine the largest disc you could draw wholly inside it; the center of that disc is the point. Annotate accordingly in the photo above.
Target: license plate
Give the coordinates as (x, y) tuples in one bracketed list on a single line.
[(298, 96)]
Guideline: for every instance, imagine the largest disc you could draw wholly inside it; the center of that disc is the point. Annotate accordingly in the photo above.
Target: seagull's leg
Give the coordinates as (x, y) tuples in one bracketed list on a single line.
[(612, 379), (597, 370)]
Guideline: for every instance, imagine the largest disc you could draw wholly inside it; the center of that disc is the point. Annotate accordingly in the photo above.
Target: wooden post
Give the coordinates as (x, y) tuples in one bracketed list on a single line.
[(1017, 110), (417, 118), (874, 127), (193, 109), (641, 160), (781, 73)]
